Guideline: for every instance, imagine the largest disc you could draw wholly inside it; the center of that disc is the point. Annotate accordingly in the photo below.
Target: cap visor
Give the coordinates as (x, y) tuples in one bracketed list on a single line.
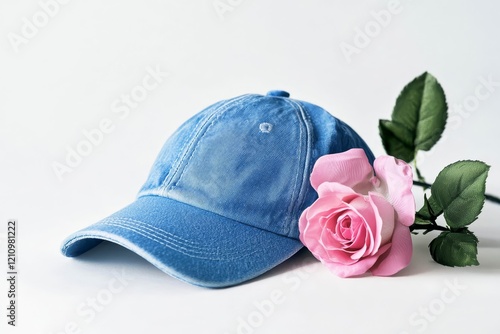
[(191, 244)]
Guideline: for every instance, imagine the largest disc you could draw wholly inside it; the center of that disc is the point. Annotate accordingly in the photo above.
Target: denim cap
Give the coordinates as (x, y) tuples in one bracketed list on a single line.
[(222, 201)]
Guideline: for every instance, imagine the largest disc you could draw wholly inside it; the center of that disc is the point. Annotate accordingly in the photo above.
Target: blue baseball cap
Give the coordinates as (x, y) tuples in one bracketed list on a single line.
[(222, 201)]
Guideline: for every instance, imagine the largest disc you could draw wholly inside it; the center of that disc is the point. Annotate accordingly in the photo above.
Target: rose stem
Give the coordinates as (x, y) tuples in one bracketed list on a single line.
[(429, 227)]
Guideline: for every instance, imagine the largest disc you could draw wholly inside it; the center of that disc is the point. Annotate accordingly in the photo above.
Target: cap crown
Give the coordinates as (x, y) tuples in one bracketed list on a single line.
[(249, 159)]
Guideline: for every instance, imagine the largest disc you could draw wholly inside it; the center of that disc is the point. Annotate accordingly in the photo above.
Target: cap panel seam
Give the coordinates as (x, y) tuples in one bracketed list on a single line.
[(296, 203), (184, 151), (286, 223), (188, 151), (213, 118)]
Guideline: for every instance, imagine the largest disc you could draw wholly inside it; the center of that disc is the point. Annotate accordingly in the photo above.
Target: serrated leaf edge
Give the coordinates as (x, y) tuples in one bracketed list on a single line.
[(484, 186)]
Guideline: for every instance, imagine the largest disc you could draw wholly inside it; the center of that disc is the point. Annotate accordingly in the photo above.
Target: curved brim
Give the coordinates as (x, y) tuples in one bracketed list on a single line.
[(191, 244)]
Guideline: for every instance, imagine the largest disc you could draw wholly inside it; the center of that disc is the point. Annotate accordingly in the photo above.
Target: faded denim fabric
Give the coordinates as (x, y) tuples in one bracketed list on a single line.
[(223, 198)]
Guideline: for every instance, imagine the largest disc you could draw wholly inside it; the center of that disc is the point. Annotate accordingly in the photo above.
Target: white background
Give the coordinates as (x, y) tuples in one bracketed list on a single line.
[(64, 77)]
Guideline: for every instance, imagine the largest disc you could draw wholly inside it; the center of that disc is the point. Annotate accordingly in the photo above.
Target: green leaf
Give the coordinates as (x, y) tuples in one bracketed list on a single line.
[(397, 140), (421, 221), (455, 249), (418, 119), (459, 189), (430, 210)]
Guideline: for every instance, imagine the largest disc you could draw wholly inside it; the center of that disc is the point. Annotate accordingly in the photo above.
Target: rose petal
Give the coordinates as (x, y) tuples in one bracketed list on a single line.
[(338, 256), (308, 232), (350, 168), (311, 230), (309, 238), (327, 238), (364, 210), (334, 189), (396, 181), (323, 207), (399, 256), (344, 227), (359, 236), (363, 241), (384, 213), (348, 270)]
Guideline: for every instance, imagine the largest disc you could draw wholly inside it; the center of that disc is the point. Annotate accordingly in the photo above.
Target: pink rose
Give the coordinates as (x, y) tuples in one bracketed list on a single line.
[(360, 222)]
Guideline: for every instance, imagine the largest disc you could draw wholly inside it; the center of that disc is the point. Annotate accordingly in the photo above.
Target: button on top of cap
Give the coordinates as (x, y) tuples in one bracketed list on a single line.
[(280, 93)]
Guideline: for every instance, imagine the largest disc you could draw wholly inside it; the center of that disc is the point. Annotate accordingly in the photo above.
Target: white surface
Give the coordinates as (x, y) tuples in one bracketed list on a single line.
[(66, 77)]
